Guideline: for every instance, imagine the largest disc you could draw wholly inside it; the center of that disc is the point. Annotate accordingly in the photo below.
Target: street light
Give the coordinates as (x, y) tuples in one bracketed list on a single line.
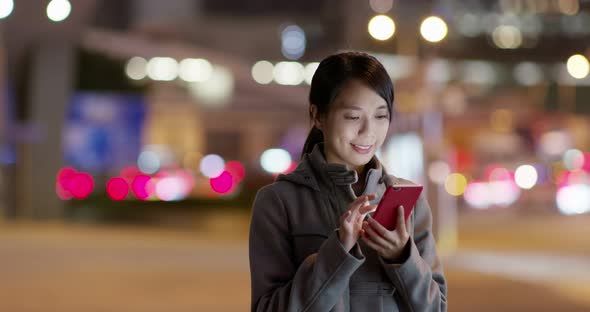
[(433, 29)]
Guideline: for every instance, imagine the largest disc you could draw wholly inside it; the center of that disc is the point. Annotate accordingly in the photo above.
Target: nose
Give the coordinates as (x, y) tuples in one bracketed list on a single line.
[(367, 128)]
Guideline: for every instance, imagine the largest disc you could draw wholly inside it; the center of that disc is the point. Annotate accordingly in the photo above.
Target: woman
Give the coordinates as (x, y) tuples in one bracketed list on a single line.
[(312, 245)]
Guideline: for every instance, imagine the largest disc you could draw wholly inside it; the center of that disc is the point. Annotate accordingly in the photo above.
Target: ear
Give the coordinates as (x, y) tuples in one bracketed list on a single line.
[(315, 118)]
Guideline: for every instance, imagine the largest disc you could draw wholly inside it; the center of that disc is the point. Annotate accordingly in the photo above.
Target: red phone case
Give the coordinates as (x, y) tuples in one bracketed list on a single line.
[(395, 196)]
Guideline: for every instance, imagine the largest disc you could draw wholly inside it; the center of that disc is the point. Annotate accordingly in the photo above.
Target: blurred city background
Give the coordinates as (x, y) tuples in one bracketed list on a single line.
[(134, 135)]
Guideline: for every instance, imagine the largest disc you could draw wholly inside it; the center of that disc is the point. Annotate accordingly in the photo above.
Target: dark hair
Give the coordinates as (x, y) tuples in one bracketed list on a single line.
[(333, 73)]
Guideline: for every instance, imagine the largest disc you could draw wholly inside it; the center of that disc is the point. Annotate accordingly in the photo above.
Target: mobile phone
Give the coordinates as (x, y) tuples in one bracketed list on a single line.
[(395, 196)]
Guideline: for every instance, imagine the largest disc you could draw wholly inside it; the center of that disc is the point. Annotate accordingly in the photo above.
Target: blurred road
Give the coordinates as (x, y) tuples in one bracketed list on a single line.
[(503, 264)]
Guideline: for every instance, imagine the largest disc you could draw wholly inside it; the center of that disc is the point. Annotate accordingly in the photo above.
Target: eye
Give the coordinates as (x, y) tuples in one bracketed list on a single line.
[(382, 116), (351, 117)]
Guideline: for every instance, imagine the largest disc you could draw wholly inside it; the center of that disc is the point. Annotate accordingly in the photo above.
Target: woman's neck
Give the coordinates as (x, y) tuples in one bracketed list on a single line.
[(359, 186)]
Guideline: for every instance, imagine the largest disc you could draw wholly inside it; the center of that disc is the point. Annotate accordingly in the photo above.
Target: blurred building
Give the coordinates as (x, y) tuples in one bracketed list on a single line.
[(484, 85)]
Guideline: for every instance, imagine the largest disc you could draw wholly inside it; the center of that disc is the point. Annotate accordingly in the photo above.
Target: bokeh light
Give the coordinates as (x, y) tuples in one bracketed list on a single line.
[(81, 185), (503, 193), (129, 174), (573, 199), (569, 7), (573, 159), (212, 165), (6, 7), (477, 195), (262, 72), (289, 73), (438, 171), (58, 10), (162, 68), (497, 173), (507, 37), (528, 74), (117, 188), (433, 29), (293, 42), (218, 89), (381, 27), (381, 6), (136, 68), (73, 184), (148, 162), (275, 160), (171, 188), (455, 184), (222, 184), (236, 169), (578, 66), (195, 69), (143, 187), (526, 176), (555, 143)]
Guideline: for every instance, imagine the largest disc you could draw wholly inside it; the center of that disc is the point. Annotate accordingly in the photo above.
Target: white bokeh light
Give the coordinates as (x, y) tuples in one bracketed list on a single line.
[(136, 68), (262, 72), (573, 199), (195, 70), (526, 176), (212, 165), (289, 73), (171, 188), (217, 90), (578, 66), (438, 172), (148, 162), (477, 195), (275, 160), (58, 10), (507, 37), (381, 27), (6, 7), (162, 68), (433, 29)]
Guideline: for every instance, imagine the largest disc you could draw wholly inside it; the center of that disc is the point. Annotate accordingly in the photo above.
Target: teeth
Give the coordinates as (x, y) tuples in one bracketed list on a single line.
[(363, 146)]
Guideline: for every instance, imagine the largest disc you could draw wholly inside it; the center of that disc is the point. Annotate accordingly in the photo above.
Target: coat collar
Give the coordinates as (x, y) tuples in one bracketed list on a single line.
[(315, 172)]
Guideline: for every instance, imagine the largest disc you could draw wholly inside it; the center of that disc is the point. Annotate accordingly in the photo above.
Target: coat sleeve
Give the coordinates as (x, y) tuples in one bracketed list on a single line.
[(420, 278), (278, 284)]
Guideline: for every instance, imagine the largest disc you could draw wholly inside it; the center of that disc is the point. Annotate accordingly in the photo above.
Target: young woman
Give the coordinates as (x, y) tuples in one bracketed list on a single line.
[(313, 245)]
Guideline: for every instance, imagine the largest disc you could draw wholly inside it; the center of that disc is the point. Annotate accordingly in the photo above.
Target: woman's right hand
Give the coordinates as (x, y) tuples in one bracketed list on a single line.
[(351, 222)]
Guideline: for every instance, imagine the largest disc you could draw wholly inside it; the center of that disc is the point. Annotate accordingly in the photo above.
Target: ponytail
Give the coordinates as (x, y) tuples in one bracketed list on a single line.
[(314, 137)]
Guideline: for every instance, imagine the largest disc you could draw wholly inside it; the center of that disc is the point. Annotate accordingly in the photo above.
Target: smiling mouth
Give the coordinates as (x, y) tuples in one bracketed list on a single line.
[(362, 148)]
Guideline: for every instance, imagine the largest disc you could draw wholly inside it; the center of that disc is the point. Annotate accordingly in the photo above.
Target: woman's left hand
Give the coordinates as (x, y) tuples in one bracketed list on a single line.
[(389, 244)]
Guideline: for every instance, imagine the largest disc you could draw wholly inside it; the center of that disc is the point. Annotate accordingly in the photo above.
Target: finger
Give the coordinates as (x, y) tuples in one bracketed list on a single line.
[(401, 222), (366, 209), (409, 225), (361, 200), (372, 244), (376, 238), (380, 229)]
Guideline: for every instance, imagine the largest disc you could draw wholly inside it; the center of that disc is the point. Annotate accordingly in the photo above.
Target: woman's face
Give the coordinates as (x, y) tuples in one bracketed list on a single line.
[(355, 126)]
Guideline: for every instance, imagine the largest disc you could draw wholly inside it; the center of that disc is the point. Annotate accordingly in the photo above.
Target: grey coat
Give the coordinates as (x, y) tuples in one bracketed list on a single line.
[(297, 262)]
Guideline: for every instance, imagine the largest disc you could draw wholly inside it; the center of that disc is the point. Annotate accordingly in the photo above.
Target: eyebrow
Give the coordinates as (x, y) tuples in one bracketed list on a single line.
[(359, 108)]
